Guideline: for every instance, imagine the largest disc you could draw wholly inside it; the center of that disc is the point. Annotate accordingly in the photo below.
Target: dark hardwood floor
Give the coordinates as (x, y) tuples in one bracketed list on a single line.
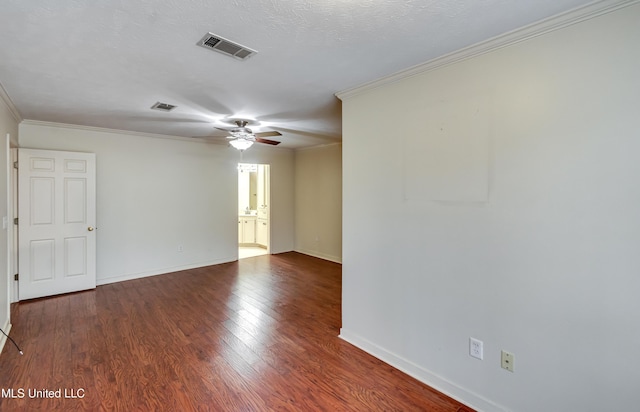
[(259, 334)]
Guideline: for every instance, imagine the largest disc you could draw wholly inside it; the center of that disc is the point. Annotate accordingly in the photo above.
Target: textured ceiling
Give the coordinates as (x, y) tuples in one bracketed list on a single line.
[(104, 63)]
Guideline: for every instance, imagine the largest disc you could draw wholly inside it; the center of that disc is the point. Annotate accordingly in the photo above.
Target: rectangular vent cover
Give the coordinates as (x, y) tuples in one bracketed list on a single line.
[(220, 44), (163, 106)]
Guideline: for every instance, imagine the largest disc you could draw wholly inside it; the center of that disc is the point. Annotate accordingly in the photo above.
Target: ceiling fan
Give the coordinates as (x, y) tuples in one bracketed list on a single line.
[(242, 137)]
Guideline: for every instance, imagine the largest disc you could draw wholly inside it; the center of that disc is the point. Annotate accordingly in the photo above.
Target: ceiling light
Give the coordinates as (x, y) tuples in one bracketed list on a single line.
[(241, 144)]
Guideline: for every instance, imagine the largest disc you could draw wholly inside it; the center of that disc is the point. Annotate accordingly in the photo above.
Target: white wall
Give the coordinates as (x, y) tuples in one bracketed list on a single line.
[(156, 194), (8, 125), (535, 252), (318, 199)]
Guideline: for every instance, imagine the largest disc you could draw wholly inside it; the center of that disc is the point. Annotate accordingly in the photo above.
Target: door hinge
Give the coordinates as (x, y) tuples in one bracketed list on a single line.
[(15, 165), (16, 277), (15, 220)]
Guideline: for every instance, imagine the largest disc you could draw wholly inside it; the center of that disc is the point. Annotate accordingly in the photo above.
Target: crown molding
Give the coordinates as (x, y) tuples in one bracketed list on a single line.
[(9, 103), (557, 22), (318, 146), (104, 130), (131, 133)]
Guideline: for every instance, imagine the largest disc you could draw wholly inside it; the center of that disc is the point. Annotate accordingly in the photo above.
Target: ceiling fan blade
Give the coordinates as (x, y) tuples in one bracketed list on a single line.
[(267, 134), (266, 141), (222, 128)]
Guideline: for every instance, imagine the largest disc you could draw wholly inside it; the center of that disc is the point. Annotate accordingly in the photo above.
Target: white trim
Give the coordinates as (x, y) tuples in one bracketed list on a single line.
[(3, 339), (12, 235), (12, 108), (590, 11), (107, 130), (435, 381), (320, 146), (9, 221), (164, 271), (330, 258), (140, 134)]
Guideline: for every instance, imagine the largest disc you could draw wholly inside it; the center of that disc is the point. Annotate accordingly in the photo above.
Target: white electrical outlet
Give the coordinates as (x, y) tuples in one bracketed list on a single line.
[(506, 360), (475, 348)]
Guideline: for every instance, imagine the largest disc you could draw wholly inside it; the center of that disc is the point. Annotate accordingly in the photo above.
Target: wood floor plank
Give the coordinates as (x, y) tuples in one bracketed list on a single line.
[(259, 334)]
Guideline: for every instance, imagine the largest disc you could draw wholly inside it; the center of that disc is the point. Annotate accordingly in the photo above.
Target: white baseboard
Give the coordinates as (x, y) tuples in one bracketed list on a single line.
[(3, 339), (318, 255), (163, 271), (435, 381)]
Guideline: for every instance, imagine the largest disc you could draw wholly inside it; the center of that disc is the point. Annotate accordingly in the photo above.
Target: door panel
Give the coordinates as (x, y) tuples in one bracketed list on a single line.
[(42, 259), (75, 250), (56, 218), (42, 200), (75, 195)]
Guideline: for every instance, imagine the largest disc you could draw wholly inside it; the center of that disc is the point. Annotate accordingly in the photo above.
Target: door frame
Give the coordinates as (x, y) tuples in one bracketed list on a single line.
[(267, 194), (12, 214)]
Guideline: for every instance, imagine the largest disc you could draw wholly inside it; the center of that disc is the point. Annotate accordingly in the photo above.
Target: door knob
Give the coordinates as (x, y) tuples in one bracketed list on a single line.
[(90, 228)]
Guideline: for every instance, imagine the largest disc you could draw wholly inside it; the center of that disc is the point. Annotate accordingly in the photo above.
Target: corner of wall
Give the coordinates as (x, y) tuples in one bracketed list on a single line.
[(10, 106)]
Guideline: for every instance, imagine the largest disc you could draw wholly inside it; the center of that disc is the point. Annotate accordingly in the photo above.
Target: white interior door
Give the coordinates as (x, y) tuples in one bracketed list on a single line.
[(56, 221)]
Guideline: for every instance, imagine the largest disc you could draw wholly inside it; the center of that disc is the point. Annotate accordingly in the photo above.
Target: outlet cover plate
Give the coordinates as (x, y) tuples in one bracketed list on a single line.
[(506, 360), (476, 348)]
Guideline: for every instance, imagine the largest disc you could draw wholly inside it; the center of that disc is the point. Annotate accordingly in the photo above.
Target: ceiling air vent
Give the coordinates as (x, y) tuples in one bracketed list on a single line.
[(220, 44), (166, 107)]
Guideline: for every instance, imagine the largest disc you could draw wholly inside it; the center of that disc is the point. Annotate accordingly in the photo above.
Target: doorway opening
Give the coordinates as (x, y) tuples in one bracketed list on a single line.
[(254, 226)]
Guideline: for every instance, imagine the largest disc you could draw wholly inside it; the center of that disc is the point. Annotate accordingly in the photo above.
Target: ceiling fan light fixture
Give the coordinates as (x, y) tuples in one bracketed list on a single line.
[(241, 144), (241, 137)]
